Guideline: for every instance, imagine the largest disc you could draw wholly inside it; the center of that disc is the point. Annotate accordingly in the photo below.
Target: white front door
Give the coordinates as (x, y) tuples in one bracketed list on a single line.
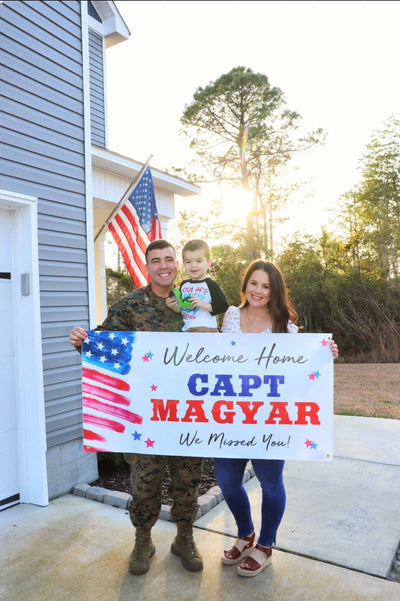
[(9, 476)]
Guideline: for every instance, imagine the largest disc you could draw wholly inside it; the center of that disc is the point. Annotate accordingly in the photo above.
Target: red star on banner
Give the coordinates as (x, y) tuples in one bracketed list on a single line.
[(153, 387), (308, 443), (145, 358), (311, 376), (149, 443), (324, 342)]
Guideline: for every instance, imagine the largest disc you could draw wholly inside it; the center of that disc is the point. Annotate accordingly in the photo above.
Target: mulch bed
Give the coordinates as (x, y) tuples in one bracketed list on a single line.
[(116, 477)]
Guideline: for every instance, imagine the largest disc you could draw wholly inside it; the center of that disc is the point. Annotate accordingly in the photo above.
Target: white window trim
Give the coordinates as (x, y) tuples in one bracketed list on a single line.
[(31, 428)]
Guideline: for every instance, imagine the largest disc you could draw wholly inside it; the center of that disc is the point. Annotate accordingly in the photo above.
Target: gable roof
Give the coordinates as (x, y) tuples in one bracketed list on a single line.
[(110, 23)]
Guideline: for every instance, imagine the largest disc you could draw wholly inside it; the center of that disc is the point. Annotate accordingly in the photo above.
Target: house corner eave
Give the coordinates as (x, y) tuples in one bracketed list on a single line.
[(112, 162), (114, 28)]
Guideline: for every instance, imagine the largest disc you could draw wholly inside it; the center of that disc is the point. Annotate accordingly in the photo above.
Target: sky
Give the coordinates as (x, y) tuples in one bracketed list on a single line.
[(336, 62)]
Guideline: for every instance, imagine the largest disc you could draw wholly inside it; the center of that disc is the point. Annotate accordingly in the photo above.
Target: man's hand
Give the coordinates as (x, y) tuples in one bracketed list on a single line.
[(172, 304), (76, 335)]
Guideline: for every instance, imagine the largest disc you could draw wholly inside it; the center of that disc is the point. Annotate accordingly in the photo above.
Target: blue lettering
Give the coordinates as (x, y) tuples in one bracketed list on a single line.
[(192, 384)]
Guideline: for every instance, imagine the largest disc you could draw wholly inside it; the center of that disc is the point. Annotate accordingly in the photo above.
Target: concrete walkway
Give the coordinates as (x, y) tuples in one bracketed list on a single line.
[(336, 543)]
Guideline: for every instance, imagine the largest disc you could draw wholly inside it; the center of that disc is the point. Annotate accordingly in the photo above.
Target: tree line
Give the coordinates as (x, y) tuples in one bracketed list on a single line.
[(329, 292)]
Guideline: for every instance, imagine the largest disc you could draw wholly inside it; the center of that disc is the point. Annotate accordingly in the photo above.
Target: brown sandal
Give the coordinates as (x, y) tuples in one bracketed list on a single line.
[(260, 558), (241, 549)]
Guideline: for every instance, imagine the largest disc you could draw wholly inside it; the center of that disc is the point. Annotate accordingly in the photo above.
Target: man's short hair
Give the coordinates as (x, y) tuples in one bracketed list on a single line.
[(158, 245), (197, 245)]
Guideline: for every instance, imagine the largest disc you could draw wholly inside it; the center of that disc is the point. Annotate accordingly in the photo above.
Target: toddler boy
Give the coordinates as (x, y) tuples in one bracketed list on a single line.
[(199, 298)]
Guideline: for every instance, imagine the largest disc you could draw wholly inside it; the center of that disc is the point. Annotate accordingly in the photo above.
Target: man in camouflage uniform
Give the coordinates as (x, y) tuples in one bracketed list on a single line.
[(144, 309)]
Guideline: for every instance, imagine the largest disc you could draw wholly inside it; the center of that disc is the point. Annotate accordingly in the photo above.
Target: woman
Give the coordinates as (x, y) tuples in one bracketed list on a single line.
[(265, 309)]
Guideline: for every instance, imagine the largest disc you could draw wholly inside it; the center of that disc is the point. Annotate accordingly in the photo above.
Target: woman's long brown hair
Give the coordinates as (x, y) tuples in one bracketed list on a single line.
[(279, 305)]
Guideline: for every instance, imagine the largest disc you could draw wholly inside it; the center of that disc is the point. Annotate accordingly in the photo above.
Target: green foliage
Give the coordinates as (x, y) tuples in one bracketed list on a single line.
[(109, 463), (228, 266), (332, 296), (243, 133), (241, 111), (371, 212), (329, 292), (118, 284), (303, 271)]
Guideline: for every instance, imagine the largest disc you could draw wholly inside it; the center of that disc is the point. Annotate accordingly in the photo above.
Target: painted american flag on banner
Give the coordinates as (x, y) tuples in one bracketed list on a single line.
[(135, 225), (106, 408)]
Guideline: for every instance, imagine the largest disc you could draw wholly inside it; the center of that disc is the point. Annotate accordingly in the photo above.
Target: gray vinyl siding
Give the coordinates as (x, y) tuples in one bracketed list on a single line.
[(96, 69), (42, 152)]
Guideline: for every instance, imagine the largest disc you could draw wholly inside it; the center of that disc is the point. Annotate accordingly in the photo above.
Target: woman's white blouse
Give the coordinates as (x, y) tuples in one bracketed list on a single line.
[(231, 322)]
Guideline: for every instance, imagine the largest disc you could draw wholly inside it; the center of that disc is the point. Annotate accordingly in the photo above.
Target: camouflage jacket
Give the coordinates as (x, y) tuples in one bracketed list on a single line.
[(142, 310)]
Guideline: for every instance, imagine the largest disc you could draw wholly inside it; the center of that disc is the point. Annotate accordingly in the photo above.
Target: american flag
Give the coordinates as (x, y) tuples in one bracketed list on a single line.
[(105, 362), (135, 225)]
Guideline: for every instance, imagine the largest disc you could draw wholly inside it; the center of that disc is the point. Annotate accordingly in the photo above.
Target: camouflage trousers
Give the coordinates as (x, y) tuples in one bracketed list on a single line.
[(146, 479)]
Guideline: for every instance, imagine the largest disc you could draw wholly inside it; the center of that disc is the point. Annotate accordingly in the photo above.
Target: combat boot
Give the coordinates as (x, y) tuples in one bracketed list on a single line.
[(185, 547), (139, 561)]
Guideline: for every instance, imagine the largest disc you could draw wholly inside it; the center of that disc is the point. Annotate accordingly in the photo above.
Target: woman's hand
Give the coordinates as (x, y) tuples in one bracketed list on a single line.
[(334, 349)]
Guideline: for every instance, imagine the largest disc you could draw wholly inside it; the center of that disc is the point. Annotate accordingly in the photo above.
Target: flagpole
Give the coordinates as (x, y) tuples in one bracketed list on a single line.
[(131, 186)]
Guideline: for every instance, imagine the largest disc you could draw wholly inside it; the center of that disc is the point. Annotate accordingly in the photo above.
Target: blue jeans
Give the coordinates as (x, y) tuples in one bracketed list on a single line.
[(229, 475)]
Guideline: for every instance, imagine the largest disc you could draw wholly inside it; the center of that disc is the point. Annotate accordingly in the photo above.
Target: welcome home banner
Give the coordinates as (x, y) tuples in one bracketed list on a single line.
[(208, 395)]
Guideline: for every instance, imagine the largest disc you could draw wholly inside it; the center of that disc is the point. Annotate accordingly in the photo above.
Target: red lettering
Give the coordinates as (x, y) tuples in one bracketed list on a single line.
[(307, 410), (249, 413), (227, 417), (164, 414), (279, 412), (223, 412), (196, 411)]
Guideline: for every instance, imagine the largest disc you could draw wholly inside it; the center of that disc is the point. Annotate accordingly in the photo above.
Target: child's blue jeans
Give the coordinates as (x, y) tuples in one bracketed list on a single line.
[(229, 475)]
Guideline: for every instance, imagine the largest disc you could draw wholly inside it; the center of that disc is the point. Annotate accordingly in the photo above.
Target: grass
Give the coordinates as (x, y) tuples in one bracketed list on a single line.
[(367, 389)]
